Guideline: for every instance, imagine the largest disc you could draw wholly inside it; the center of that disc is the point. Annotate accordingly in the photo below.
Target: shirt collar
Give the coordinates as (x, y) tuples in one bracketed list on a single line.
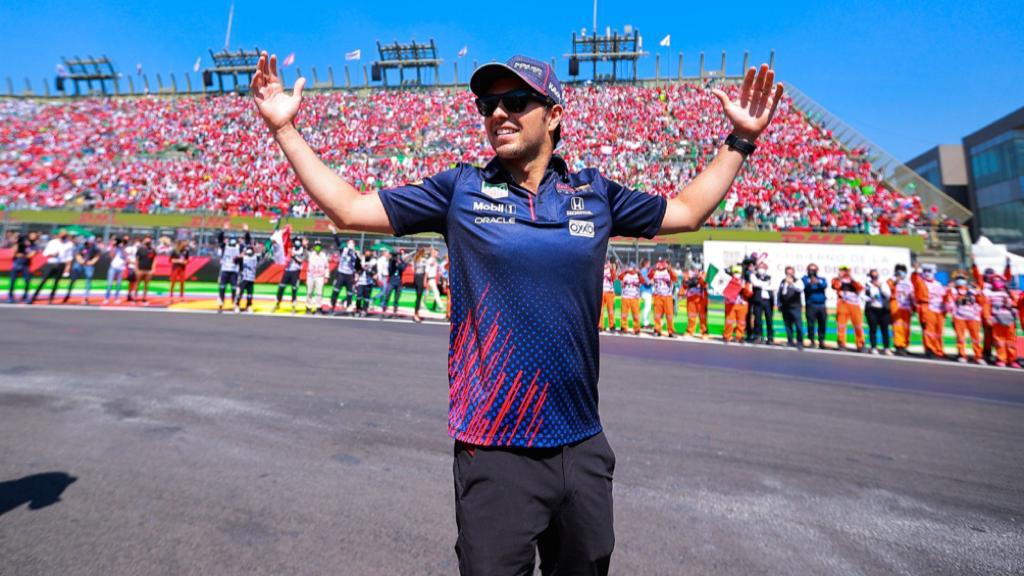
[(494, 171)]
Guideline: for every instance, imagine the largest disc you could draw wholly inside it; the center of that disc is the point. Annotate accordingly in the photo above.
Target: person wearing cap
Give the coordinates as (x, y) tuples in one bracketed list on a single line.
[(59, 253), (629, 304), (848, 292), (984, 282), (695, 290), (966, 304), (930, 295), (902, 303), (815, 303), (527, 241), (607, 296), (737, 302), (999, 313), (318, 268), (663, 278)]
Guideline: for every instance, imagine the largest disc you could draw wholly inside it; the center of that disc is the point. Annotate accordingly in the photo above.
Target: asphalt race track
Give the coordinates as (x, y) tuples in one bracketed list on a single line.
[(171, 443)]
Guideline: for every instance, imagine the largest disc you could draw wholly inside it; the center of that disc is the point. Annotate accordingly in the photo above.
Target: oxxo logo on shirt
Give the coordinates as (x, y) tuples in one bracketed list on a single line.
[(581, 228)]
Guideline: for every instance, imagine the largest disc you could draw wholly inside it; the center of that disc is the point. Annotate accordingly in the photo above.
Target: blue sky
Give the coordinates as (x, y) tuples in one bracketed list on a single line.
[(908, 75)]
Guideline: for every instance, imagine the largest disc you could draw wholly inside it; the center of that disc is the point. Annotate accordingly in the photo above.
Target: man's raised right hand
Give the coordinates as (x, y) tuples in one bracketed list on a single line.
[(276, 106)]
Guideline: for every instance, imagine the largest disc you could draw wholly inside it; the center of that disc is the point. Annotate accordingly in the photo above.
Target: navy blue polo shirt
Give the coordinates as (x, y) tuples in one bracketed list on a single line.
[(526, 293)]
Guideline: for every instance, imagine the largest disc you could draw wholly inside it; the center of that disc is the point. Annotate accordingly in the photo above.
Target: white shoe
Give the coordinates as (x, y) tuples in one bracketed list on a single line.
[(237, 309)]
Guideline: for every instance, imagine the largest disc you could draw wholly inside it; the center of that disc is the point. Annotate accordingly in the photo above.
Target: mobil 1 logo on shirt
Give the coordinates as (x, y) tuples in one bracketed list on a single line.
[(581, 228)]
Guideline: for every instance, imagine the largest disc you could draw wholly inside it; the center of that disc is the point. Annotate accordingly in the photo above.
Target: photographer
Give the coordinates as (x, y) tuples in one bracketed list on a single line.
[(789, 302), (814, 299)]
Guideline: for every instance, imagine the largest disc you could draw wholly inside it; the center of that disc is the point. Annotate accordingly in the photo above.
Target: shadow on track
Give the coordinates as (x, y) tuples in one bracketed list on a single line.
[(38, 490)]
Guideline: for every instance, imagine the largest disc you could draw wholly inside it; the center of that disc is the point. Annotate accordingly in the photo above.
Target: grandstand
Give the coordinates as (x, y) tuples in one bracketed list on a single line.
[(180, 153)]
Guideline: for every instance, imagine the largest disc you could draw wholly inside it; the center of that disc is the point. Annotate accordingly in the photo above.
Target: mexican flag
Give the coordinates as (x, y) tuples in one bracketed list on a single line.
[(717, 280)]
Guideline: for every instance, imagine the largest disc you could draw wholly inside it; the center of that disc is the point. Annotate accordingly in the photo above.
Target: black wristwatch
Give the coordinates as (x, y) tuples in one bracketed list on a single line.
[(741, 145)]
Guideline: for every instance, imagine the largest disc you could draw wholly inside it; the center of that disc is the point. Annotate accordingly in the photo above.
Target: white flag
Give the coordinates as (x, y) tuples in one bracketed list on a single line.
[(195, 67), (288, 60), (464, 51), (354, 55), (666, 41)]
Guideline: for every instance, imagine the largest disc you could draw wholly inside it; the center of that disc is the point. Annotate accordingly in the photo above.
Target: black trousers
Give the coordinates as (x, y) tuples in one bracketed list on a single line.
[(245, 288), (817, 317), (54, 271), (763, 309), (879, 320), (346, 281), (512, 503), (794, 324), (363, 292), (289, 278), (419, 281), (227, 278)]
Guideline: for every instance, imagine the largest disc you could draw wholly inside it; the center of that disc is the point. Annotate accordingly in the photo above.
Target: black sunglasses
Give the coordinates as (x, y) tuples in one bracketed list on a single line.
[(515, 101)]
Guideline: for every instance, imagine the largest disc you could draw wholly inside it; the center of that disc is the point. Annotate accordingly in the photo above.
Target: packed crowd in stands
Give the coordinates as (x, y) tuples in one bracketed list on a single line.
[(158, 154)]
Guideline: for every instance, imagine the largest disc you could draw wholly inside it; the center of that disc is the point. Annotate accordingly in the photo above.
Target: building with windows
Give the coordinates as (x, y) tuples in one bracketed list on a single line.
[(943, 166), (985, 173), (995, 175)]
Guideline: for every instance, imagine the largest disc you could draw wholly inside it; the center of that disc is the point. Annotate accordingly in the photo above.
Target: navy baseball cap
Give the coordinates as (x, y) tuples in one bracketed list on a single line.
[(538, 75)]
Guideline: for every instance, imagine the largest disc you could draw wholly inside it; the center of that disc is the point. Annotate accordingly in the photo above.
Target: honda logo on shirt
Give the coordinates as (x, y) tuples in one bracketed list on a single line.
[(581, 228), (577, 203)]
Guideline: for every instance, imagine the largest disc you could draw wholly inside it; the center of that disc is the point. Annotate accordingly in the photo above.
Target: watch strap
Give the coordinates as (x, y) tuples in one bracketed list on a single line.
[(741, 145)]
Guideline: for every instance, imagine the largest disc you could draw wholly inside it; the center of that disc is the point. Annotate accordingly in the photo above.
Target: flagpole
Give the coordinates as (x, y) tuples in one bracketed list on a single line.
[(595, 17), (231, 14)]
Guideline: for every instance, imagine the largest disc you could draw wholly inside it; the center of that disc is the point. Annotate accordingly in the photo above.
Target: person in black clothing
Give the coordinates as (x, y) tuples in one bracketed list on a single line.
[(789, 300), (146, 257), (763, 304), (364, 282), (345, 274), (25, 248), (814, 299), (749, 268), (396, 265)]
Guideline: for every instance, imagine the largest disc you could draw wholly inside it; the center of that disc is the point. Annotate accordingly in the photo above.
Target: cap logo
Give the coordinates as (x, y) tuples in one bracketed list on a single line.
[(531, 68)]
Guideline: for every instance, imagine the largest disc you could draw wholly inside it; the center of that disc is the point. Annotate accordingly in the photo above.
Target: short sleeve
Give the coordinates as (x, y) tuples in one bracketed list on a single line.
[(422, 206), (634, 213)]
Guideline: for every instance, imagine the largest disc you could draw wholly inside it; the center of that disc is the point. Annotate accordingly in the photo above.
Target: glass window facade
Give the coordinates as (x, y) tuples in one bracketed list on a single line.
[(999, 159), (1004, 223)]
